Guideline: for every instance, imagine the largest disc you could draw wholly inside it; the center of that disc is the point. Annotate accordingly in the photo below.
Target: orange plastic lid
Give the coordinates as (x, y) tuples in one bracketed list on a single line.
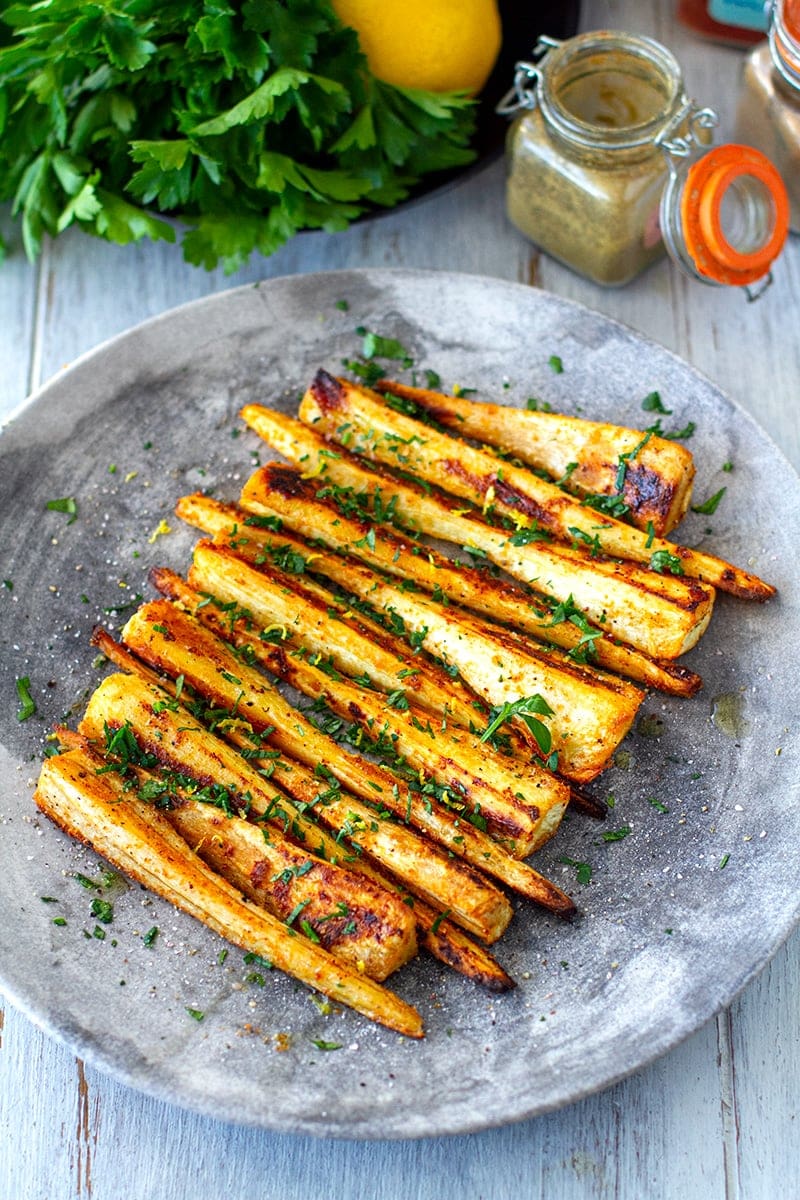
[(790, 12), (707, 183)]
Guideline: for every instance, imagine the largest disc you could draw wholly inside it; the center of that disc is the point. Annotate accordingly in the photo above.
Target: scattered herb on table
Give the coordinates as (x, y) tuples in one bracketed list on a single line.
[(616, 835), (103, 910), (657, 804)]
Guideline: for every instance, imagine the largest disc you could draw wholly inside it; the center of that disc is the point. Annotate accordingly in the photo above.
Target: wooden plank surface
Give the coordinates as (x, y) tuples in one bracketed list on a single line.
[(715, 1118)]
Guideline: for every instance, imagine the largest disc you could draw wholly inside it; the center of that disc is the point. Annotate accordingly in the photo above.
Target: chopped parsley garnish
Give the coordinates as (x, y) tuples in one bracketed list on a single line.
[(612, 505), (150, 936), (567, 610), (528, 709), (579, 535), (265, 522), (65, 505), (437, 922), (555, 364), (195, 1014), (528, 534), (322, 1045), (616, 835), (27, 704), (103, 910), (724, 861), (710, 505), (583, 870), (672, 435), (624, 459), (376, 346), (662, 562), (653, 403)]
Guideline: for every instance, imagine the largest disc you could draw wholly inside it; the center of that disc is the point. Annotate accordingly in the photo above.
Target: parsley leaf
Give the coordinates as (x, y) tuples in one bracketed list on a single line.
[(27, 705), (528, 708), (710, 505)]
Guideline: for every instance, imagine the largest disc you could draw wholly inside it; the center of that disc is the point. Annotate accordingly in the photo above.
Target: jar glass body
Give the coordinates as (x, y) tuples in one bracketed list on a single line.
[(585, 175), (768, 117)]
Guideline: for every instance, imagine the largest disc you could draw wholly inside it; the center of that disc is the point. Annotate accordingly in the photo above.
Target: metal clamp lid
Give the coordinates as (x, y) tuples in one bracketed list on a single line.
[(522, 93)]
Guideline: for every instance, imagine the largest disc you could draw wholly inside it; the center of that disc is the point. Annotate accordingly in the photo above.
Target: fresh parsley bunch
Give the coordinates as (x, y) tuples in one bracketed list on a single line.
[(243, 122)]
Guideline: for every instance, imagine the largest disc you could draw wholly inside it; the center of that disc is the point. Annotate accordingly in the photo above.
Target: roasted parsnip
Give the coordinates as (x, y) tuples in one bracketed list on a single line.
[(137, 839), (530, 613), (440, 936), (351, 916), (590, 712), (363, 778), (291, 611), (172, 641), (591, 457), (378, 433), (669, 617), (514, 799)]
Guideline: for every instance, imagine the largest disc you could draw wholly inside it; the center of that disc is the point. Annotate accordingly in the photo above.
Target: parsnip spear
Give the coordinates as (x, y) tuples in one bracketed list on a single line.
[(186, 747), (667, 618), (363, 778), (510, 796), (589, 713), (140, 842), (533, 616), (440, 936), (296, 611), (360, 488), (592, 457), (518, 800), (345, 410), (349, 915)]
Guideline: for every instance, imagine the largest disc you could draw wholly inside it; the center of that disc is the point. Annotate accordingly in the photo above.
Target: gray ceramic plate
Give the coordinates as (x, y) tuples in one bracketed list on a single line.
[(678, 915)]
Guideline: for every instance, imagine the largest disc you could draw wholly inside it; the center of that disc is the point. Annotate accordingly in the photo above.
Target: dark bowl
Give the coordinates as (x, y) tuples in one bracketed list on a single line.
[(523, 24)]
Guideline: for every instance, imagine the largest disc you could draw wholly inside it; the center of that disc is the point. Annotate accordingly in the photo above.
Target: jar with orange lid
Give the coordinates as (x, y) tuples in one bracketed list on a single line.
[(608, 168), (768, 115)]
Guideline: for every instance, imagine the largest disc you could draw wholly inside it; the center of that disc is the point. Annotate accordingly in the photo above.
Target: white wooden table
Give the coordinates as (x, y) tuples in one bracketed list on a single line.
[(718, 1117)]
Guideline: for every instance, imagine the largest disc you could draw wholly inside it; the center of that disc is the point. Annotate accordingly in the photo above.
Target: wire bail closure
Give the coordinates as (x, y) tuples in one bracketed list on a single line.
[(522, 94), (696, 119)]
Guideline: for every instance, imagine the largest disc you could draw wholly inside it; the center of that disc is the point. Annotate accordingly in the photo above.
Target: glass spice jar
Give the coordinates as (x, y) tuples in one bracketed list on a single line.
[(600, 173), (768, 116)]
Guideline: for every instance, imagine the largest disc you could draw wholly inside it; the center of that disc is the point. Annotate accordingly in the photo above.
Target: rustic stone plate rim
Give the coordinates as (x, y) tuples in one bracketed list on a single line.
[(388, 287)]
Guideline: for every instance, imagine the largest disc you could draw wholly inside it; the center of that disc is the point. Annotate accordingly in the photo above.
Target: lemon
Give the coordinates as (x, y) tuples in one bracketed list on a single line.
[(437, 45)]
